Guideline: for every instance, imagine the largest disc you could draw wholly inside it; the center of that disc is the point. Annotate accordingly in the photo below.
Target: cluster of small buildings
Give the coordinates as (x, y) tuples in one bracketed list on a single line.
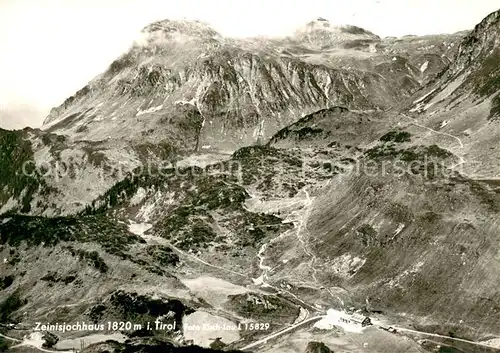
[(356, 319), (352, 322)]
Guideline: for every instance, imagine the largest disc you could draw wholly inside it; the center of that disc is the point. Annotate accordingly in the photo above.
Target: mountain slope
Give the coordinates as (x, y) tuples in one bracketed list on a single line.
[(407, 230), (464, 100), (425, 247), (46, 173)]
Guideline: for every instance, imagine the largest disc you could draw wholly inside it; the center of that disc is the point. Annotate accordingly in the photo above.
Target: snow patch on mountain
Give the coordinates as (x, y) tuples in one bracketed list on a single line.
[(424, 66), (139, 228), (149, 110)]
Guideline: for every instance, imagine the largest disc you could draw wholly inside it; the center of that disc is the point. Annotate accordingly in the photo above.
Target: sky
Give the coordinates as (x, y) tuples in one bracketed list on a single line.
[(52, 48)]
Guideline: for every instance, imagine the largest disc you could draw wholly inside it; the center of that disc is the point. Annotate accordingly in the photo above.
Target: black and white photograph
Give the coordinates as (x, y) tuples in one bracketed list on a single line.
[(203, 176)]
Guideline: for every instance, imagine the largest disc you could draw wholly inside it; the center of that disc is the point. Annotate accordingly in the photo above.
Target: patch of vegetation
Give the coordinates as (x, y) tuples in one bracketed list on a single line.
[(254, 227), (300, 129), (216, 194), (53, 277), (96, 312), (6, 281), (383, 152), (217, 344), (157, 346), (368, 234), (380, 151), (300, 134), (436, 151), (162, 150), (430, 217), (18, 175), (14, 259), (209, 188), (11, 305), (255, 152), (97, 158), (317, 347), (293, 161), (414, 153), (4, 346), (194, 235), (189, 226), (487, 78), (118, 193), (37, 230), (50, 340), (51, 139), (164, 255), (92, 258), (398, 213), (200, 192), (137, 308), (396, 136), (125, 189), (448, 349), (269, 172), (488, 198), (306, 132), (495, 107), (410, 155), (82, 128)]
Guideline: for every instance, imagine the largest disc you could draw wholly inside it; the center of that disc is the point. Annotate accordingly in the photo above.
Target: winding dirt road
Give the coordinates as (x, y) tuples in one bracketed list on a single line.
[(414, 122), (479, 344)]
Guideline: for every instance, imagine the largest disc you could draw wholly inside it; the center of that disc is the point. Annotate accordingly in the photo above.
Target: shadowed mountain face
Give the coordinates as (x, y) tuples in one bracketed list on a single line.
[(263, 180)]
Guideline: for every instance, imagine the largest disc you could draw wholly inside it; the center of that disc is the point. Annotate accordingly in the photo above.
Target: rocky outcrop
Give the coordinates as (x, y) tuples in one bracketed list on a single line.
[(317, 347)]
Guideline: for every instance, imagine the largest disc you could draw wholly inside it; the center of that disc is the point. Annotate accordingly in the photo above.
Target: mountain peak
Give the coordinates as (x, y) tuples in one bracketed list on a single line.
[(191, 28), (322, 23), (322, 33)]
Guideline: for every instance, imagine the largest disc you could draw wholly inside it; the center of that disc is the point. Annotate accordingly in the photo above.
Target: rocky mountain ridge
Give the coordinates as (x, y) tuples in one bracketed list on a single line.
[(238, 91)]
